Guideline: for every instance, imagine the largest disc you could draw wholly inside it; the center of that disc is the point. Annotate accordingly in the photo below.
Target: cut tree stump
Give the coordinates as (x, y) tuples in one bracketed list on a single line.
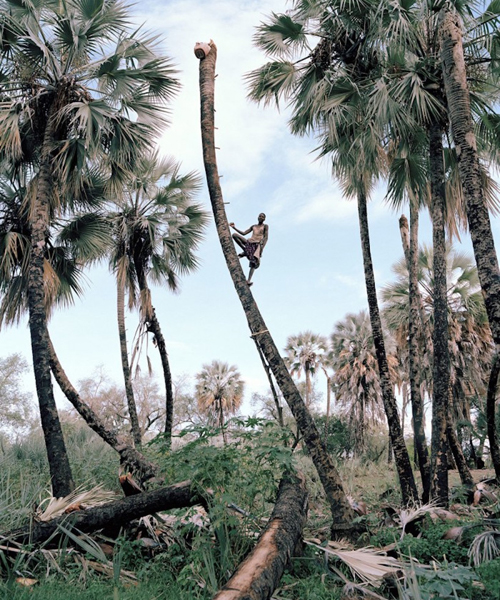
[(259, 574), (115, 514)]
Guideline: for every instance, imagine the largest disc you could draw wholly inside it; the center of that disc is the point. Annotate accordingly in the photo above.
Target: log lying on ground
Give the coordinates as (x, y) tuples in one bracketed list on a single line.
[(259, 574), (115, 514)]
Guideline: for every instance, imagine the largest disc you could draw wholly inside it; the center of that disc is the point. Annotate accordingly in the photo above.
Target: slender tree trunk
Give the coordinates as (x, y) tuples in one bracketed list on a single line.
[(410, 247), (341, 511), (279, 408), (490, 415), (328, 404), (441, 366), (129, 392), (153, 326), (459, 110), (60, 471), (134, 460), (458, 455), (401, 458), (308, 388)]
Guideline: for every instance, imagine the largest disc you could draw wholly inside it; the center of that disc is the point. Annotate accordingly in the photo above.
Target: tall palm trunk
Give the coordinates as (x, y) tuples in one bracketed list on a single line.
[(401, 458), (341, 511), (129, 392), (459, 110), (153, 326), (308, 387), (60, 471), (441, 365), (410, 247), (490, 415)]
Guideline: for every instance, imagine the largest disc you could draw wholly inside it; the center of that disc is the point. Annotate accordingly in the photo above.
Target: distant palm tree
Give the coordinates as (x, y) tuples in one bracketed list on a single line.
[(356, 379), (219, 391), (156, 229), (304, 353), (80, 89)]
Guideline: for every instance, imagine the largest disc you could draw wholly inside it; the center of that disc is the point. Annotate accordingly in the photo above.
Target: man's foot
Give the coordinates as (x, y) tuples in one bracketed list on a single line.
[(250, 283), (241, 255)]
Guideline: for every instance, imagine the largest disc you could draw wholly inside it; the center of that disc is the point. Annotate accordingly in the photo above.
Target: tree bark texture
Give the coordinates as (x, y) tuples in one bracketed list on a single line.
[(115, 514), (132, 458), (459, 110), (129, 391), (490, 415), (259, 574), (409, 238), (401, 458), (456, 447), (60, 470), (441, 365), (341, 511)]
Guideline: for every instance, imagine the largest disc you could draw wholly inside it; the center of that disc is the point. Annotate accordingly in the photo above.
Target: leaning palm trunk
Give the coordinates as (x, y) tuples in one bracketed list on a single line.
[(153, 326), (60, 471), (441, 365), (417, 405), (490, 415), (134, 460), (129, 391), (341, 511), (401, 458), (459, 110)]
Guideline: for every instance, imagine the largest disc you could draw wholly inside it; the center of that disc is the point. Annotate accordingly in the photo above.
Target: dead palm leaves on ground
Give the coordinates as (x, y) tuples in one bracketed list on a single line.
[(79, 499), (367, 564)]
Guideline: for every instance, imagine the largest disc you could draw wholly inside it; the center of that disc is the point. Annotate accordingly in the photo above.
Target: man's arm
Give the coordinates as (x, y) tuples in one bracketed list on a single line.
[(241, 232)]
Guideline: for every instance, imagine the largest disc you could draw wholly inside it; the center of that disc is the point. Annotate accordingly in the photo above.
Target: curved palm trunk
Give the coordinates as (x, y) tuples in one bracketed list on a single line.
[(341, 511), (459, 110), (136, 461), (441, 366), (410, 247), (308, 387), (490, 415), (60, 471), (401, 458), (129, 392), (153, 326)]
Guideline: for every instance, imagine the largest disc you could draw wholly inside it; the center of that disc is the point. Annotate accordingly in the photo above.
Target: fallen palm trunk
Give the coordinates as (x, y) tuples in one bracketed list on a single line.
[(132, 458), (115, 514), (259, 574)]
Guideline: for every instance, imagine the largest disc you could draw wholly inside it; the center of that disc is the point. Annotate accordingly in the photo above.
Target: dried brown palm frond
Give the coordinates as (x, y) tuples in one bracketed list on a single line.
[(485, 547), (52, 507), (369, 565), (408, 515)]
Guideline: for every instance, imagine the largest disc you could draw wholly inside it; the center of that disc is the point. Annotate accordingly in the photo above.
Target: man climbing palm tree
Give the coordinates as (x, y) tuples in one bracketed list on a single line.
[(253, 246)]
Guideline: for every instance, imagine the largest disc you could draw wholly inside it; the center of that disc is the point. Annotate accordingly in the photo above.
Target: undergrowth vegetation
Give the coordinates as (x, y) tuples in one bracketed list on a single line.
[(191, 553)]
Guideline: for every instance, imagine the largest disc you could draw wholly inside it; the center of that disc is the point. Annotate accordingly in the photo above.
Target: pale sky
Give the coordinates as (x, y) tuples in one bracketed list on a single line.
[(311, 273)]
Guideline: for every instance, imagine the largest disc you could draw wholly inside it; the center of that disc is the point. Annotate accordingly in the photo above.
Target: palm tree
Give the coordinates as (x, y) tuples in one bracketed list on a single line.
[(305, 352), (356, 378), (459, 104), (341, 511), (219, 391), (156, 230), (470, 343), (329, 90), (67, 106)]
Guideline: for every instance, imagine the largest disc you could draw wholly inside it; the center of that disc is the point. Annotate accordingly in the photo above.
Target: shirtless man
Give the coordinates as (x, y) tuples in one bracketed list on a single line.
[(254, 245)]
